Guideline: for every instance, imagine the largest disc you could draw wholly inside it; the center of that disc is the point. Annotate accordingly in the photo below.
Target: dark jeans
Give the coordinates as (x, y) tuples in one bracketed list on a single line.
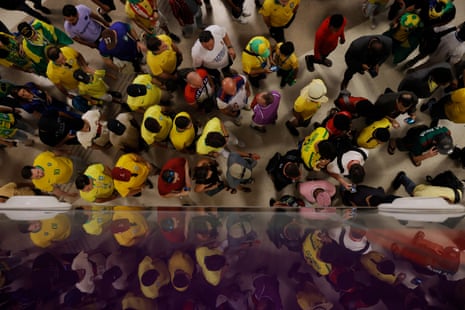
[(240, 4), (437, 110), (277, 33), (408, 184)]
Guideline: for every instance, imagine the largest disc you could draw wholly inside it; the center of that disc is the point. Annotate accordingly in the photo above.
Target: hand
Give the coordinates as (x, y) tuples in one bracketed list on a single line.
[(232, 53), (105, 8), (432, 152), (267, 70)]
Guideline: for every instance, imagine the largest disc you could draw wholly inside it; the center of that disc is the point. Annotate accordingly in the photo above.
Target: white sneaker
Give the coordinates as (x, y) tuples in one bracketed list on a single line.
[(240, 20), (246, 14)]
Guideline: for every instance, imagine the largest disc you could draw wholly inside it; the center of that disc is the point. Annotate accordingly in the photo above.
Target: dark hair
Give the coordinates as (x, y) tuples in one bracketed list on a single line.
[(181, 280), (342, 121), (268, 97), (26, 30), (167, 176), (356, 173), (53, 52), (149, 277), (292, 170), (26, 172), (153, 43), (327, 150), (200, 173), (336, 20), (69, 10), (381, 134), (386, 266), (215, 262), (23, 226), (205, 36), (365, 108), (287, 48), (215, 139), (4, 53), (15, 90), (152, 125), (407, 99), (182, 122), (441, 75), (82, 181)]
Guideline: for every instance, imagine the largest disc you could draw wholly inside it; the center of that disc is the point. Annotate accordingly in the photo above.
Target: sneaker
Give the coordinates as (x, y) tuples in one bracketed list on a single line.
[(174, 37), (246, 14), (309, 62), (396, 183), (258, 128), (240, 20), (115, 94), (292, 129), (104, 15), (327, 62)]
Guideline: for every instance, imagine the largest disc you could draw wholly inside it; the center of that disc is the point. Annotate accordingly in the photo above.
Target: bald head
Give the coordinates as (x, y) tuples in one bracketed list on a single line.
[(229, 86), (194, 79)]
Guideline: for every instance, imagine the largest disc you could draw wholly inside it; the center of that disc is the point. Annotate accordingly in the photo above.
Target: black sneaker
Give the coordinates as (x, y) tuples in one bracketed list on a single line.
[(174, 37), (115, 94), (396, 182), (292, 129), (309, 62)]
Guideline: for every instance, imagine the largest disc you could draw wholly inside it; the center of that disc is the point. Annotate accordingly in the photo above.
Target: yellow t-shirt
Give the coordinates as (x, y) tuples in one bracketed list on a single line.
[(102, 184), (307, 108), (100, 215), (165, 123), (365, 138), (139, 227), (455, 111), (57, 170), (370, 262), (62, 74), (308, 152), (180, 261), (425, 190), (213, 125), (212, 277), (181, 140), (152, 291), (141, 169), (279, 14), (251, 62), (164, 62), (97, 88), (284, 62), (54, 229), (147, 8), (151, 98)]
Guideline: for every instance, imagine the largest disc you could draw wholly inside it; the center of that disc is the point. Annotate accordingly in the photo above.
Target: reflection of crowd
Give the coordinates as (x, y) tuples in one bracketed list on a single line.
[(134, 258)]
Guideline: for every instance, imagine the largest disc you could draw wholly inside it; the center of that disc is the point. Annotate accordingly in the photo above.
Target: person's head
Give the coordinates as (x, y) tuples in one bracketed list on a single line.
[(444, 143), (215, 262), (110, 38), (342, 121), (336, 21), (287, 48), (356, 173), (259, 47), (322, 197), (116, 127), (365, 108), (27, 227), (182, 123), (54, 54), (152, 125), (149, 277), (180, 279), (375, 46), (170, 176), (194, 79), (229, 86), (215, 139), (21, 93), (206, 40), (155, 45), (31, 172), (441, 76), (292, 170), (70, 14), (264, 98), (381, 134), (327, 150), (26, 30), (83, 183), (406, 100), (386, 266), (201, 173)]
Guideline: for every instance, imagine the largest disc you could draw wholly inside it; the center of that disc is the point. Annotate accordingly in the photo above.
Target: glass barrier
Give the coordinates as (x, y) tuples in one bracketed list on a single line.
[(101, 257)]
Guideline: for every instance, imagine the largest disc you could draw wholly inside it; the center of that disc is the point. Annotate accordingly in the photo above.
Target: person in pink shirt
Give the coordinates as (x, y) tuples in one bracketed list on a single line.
[(318, 192), (327, 37)]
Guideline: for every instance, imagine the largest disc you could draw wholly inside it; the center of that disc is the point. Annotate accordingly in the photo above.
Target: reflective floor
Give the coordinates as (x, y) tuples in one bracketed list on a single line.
[(380, 167)]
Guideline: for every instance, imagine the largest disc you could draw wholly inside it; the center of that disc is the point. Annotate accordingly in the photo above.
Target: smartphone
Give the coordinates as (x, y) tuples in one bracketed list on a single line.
[(409, 120), (274, 68)]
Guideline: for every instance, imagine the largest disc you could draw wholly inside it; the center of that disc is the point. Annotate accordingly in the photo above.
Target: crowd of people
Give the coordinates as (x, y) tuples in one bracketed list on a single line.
[(224, 85)]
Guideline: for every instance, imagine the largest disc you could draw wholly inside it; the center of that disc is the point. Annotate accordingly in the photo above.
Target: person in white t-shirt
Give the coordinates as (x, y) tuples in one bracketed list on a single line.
[(350, 165), (213, 51), (233, 96), (352, 238)]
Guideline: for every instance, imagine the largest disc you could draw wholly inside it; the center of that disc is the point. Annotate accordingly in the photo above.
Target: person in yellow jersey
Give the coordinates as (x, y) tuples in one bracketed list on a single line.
[(132, 301), (93, 87), (156, 126), (50, 170), (213, 139), (182, 134), (61, 66), (163, 59), (181, 268), (143, 93), (316, 151), (44, 233), (255, 59), (98, 218), (212, 263), (153, 274), (128, 226), (287, 62), (130, 174), (96, 184), (278, 15), (375, 134)]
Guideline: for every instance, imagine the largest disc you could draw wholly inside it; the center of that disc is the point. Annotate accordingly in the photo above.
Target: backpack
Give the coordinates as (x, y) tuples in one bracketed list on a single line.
[(430, 39), (448, 179)]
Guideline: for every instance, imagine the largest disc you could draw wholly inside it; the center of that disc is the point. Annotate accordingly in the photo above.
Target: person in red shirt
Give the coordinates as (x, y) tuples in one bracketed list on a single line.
[(174, 179), (200, 90), (328, 35)]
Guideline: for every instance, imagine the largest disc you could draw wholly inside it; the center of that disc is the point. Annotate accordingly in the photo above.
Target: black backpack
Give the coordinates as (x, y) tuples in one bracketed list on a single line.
[(448, 179), (430, 39)]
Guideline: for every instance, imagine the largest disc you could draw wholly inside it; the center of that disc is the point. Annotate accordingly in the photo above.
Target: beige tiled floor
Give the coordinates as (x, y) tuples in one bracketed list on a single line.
[(381, 168)]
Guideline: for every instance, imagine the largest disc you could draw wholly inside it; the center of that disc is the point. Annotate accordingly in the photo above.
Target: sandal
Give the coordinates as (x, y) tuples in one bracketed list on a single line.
[(415, 163), (391, 147), (233, 191)]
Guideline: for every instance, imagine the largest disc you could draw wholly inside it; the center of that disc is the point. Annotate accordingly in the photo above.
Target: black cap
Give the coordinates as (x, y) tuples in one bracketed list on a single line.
[(116, 127), (81, 76)]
